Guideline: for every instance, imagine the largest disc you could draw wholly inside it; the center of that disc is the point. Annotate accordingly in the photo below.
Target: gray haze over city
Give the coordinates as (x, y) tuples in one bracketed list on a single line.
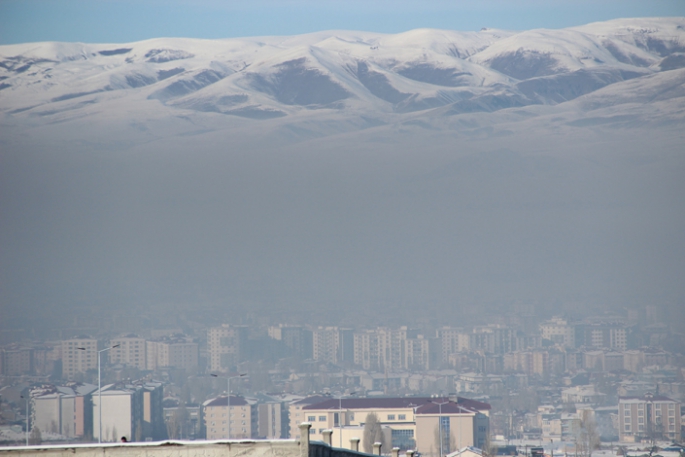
[(281, 207)]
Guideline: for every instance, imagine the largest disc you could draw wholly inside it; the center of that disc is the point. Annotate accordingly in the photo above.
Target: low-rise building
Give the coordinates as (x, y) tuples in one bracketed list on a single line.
[(218, 421)]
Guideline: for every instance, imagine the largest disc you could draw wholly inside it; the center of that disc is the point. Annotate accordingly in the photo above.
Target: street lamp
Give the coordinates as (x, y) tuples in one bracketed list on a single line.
[(27, 418), (340, 420), (100, 389), (440, 422), (228, 398)]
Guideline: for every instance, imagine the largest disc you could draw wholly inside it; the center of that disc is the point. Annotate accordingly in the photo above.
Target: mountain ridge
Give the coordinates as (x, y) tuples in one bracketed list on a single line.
[(331, 75)]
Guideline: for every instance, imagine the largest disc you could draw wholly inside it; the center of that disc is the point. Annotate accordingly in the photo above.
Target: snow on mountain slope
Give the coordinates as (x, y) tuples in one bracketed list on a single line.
[(345, 78), (660, 36)]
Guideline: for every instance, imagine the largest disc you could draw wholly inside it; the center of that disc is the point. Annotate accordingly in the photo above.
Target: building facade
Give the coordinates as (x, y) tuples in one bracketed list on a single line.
[(216, 417), (648, 417), (79, 355)]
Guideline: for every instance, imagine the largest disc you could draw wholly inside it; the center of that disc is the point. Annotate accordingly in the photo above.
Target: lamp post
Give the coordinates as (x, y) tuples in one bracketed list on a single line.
[(340, 421), (440, 422), (228, 399), (100, 388), (27, 417)]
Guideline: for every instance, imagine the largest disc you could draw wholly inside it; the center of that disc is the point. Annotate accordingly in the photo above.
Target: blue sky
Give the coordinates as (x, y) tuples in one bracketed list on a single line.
[(130, 20)]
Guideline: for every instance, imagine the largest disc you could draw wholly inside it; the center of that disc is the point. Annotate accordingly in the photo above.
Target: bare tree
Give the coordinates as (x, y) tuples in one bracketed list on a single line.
[(373, 433), (586, 435), (449, 442), (36, 437)]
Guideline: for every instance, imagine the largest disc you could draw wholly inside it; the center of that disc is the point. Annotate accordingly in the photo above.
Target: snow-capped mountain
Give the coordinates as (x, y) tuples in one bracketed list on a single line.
[(361, 78)]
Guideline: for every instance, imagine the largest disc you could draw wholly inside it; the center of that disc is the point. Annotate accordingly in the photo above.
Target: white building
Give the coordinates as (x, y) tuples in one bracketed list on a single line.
[(122, 413)]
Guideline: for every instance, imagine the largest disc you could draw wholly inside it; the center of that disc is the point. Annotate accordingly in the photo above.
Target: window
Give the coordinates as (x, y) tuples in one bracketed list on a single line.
[(391, 417), (626, 412), (627, 428), (311, 418), (322, 418), (401, 417)]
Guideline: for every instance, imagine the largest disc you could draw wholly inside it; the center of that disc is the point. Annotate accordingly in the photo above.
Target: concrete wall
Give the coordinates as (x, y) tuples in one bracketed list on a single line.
[(275, 448)]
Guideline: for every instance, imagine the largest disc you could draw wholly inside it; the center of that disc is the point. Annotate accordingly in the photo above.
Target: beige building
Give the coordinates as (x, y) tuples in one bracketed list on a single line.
[(16, 360), (648, 417), (225, 345), (411, 421), (333, 345), (130, 351), (558, 331), (176, 351), (269, 421), (78, 355), (458, 425), (215, 413), (297, 415), (452, 340)]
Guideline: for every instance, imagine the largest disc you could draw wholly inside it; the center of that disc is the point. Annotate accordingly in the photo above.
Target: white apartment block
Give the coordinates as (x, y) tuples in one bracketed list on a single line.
[(130, 351), (391, 349), (78, 355), (122, 413)]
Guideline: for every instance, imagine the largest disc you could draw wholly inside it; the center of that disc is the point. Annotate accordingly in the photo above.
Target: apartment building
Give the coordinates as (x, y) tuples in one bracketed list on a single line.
[(333, 345), (66, 410), (216, 417), (226, 345), (613, 335), (79, 354), (271, 420), (296, 338), (16, 360), (421, 353), (493, 339), (128, 350), (178, 351), (122, 413), (648, 417), (452, 340), (559, 331)]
